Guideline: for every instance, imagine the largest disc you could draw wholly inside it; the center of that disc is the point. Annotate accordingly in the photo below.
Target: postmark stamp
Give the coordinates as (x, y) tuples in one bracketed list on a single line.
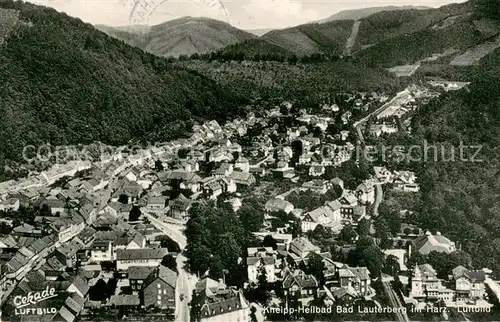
[(142, 10)]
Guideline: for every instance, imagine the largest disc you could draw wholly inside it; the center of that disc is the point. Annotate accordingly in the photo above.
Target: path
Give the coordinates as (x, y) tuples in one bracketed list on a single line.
[(352, 38), (379, 195), (395, 302)]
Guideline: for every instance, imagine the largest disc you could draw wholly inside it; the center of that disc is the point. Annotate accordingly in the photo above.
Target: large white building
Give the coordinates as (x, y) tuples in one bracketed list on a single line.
[(425, 285), (139, 257)]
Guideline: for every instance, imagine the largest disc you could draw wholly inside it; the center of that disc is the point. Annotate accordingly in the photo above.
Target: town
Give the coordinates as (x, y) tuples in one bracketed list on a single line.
[(273, 216)]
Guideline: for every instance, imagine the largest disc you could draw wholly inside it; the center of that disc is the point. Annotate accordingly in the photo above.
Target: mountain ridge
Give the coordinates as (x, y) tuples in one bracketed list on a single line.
[(356, 14), (182, 36)]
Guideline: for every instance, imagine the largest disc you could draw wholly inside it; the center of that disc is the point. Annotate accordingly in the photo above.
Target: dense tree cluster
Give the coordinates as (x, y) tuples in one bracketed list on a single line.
[(217, 241), (488, 8), (460, 198)]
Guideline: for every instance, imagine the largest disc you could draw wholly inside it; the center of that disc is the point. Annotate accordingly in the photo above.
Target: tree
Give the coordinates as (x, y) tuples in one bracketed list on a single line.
[(444, 263), (252, 218), (123, 199), (169, 262), (415, 259), (229, 250), (253, 316), (269, 241), (261, 292), (367, 254), (347, 234), (135, 214), (316, 266), (198, 260), (100, 291), (391, 217), (364, 226), (197, 302), (392, 265), (168, 243), (216, 267), (159, 166), (488, 8)]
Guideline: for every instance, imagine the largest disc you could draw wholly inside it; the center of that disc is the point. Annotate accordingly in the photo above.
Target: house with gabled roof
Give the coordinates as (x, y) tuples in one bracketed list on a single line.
[(242, 178), (86, 236), (316, 186), (160, 288), (366, 192), (66, 253), (324, 216), (427, 243), (277, 204), (179, 207), (300, 248), (469, 284), (137, 275), (316, 170), (300, 284), (356, 279), (221, 303), (348, 201), (79, 286)]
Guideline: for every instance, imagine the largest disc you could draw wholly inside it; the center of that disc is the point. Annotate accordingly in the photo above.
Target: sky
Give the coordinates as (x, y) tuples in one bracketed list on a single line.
[(243, 14)]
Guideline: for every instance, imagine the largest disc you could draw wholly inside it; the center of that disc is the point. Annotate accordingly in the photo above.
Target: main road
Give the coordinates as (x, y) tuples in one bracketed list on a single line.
[(185, 281)]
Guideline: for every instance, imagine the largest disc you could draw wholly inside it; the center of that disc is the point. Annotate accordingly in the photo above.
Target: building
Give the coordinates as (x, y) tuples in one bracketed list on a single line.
[(324, 216), (426, 286), (405, 181), (101, 250), (160, 289), (139, 257), (469, 285), (316, 170), (242, 164), (383, 174), (276, 204), (66, 253), (300, 248), (179, 207), (242, 178), (157, 203), (348, 202), (225, 305), (356, 279), (261, 258), (429, 242), (299, 284), (136, 277), (366, 193), (53, 204)]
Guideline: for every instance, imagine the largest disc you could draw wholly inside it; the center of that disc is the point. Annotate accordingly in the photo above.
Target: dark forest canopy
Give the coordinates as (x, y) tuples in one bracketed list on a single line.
[(460, 199), (64, 82)]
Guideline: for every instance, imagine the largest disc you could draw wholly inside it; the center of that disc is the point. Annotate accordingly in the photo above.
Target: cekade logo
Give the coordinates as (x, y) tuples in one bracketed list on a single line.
[(33, 298)]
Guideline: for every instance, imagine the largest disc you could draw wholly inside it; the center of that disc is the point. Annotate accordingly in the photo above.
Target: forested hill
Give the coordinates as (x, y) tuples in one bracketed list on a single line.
[(64, 82), (462, 198)]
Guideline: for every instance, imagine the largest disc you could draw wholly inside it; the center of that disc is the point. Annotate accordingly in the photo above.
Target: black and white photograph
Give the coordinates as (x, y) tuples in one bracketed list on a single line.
[(249, 160)]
